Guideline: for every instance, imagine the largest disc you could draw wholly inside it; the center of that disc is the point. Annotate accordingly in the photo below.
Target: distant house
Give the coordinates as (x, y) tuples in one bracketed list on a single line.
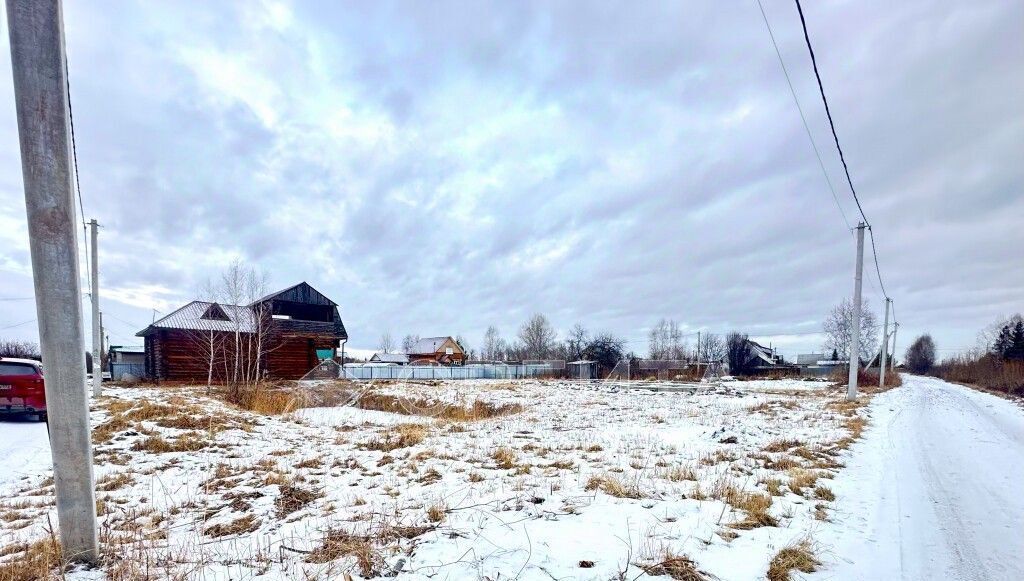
[(125, 360), (390, 358), (810, 358), (282, 336), (763, 356), (124, 354), (582, 369), (442, 350)]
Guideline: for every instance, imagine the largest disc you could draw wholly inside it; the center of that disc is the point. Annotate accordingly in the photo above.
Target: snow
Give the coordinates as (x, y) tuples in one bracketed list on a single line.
[(25, 450), (933, 491), (929, 492)]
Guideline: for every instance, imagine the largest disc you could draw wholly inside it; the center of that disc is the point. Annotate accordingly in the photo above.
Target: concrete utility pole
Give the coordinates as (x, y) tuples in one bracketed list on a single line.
[(885, 346), (892, 364), (97, 326), (40, 91), (851, 389)]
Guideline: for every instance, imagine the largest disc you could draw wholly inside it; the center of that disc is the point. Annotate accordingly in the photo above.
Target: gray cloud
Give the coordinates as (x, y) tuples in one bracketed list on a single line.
[(440, 167)]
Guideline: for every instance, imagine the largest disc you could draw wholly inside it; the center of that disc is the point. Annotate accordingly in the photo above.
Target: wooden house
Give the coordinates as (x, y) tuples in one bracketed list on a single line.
[(280, 336), (442, 350)]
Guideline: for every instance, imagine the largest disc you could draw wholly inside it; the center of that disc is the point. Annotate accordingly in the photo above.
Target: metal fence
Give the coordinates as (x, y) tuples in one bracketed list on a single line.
[(482, 371)]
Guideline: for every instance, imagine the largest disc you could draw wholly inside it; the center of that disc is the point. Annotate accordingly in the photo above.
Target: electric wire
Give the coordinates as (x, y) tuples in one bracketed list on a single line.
[(803, 117), (842, 158)]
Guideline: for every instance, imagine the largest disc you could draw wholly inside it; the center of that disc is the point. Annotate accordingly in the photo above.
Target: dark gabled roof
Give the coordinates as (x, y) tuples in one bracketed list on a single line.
[(300, 293)]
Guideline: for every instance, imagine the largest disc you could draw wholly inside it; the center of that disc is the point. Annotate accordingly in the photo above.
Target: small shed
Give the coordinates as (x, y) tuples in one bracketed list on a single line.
[(582, 369)]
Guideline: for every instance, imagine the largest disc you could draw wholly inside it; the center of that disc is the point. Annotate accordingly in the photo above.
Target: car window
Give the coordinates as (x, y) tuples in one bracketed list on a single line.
[(17, 369)]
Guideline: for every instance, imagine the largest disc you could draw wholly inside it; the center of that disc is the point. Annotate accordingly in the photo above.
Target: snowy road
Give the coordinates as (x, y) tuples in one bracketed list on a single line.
[(933, 491)]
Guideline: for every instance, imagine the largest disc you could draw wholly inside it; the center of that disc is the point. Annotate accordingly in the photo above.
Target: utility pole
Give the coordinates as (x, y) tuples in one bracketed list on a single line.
[(40, 90), (892, 366), (851, 388), (97, 326), (103, 343), (885, 346)]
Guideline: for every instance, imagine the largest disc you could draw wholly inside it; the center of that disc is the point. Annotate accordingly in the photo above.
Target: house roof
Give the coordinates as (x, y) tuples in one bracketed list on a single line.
[(390, 357), (303, 288), (127, 349), (429, 345), (190, 318)]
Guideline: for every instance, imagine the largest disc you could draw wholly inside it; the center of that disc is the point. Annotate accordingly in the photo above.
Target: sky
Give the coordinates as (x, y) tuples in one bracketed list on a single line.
[(436, 168)]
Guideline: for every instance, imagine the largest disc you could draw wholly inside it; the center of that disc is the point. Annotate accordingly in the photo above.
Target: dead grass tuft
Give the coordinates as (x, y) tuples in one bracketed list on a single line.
[(477, 410), (403, 436), (799, 479), (293, 498), (505, 457), (613, 486), (36, 560), (799, 556), (676, 567), (245, 524)]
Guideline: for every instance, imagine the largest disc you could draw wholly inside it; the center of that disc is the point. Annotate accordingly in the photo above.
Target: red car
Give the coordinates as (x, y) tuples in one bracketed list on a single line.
[(21, 387)]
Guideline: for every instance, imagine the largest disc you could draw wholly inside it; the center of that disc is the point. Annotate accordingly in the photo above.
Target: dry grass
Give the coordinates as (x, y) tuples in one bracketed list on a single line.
[(403, 436), (245, 524), (266, 399), (114, 481), (187, 442), (613, 486), (799, 479), (756, 506), (677, 473), (436, 512), (293, 498), (505, 457), (822, 492), (676, 567), (36, 560), (338, 543), (798, 556), (782, 445), (477, 410)]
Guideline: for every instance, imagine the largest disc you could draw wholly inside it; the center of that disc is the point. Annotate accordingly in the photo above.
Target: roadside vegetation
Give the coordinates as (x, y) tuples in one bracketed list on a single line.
[(996, 364)]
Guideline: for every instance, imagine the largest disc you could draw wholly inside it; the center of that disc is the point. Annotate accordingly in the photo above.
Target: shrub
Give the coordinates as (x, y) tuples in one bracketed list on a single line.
[(987, 371)]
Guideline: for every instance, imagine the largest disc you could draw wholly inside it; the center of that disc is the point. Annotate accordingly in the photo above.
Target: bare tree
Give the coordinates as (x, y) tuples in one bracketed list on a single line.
[(920, 356), (386, 343), (712, 348), (19, 349), (738, 354), (494, 345), (665, 341), (838, 328), (231, 333), (576, 343), (408, 342), (538, 337)]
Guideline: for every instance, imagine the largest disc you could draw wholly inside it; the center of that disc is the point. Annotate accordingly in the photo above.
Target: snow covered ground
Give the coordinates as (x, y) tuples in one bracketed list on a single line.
[(933, 491), (573, 482)]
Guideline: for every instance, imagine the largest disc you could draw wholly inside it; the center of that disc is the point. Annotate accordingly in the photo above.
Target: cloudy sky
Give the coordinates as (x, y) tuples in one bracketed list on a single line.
[(439, 167)]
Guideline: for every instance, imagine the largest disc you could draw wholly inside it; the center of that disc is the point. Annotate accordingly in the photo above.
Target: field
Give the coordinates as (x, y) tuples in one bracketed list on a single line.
[(457, 480)]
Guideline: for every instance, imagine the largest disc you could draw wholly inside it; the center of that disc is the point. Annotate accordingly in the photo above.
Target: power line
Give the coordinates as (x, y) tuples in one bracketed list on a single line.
[(803, 118), (74, 157), (18, 324), (835, 136)]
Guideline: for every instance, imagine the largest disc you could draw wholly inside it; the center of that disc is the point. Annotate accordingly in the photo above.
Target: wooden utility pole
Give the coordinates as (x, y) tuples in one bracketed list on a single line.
[(40, 92), (97, 325), (851, 387)]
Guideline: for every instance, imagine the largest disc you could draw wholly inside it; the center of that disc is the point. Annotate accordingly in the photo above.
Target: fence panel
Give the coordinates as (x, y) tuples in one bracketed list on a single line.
[(419, 372)]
